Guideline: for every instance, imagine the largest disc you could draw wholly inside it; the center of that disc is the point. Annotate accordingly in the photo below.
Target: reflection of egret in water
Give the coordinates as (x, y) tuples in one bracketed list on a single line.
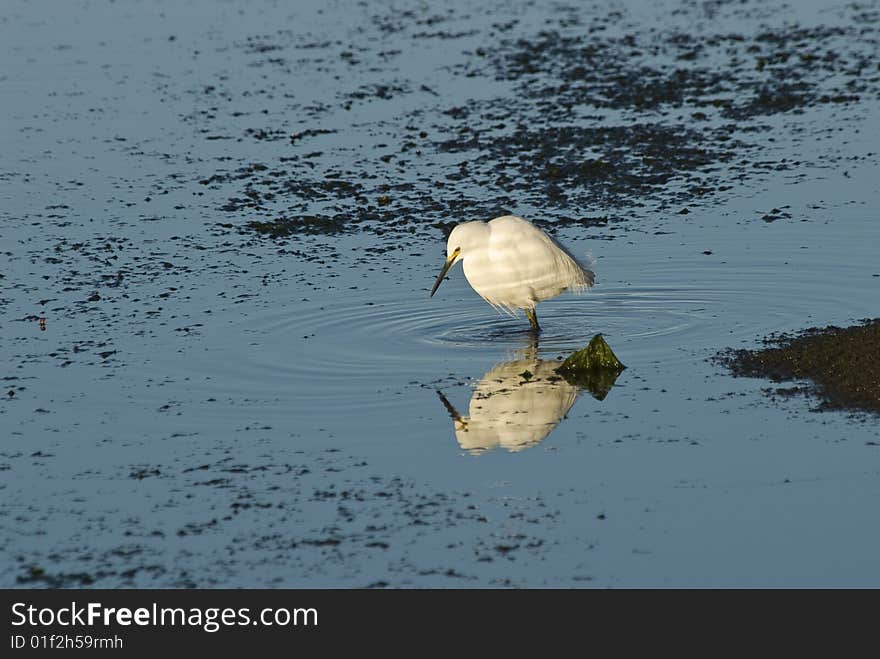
[(516, 405)]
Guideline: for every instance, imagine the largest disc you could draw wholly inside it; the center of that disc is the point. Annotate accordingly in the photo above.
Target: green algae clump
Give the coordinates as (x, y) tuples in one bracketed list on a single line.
[(597, 355), (594, 368)]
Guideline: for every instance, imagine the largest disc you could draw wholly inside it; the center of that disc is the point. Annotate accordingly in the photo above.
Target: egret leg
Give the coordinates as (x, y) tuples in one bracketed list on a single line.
[(532, 315)]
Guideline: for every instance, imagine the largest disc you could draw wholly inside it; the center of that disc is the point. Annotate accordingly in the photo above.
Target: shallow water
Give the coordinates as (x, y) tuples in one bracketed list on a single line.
[(238, 410)]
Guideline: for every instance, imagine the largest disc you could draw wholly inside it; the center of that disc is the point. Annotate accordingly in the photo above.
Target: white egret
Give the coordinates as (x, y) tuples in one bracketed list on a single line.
[(512, 264), (515, 405)]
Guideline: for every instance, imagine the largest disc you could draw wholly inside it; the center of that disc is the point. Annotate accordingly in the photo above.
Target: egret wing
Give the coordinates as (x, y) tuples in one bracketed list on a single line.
[(529, 266)]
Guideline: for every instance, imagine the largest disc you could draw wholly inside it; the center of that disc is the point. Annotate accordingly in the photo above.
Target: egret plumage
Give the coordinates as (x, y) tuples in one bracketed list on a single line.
[(512, 264), (515, 405)]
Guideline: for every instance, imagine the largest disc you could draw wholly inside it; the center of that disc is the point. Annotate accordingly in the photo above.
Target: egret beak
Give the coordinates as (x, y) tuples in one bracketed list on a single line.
[(450, 261)]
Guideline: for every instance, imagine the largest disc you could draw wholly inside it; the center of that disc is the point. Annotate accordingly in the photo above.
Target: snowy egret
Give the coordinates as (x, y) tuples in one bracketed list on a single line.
[(512, 264), (515, 405)]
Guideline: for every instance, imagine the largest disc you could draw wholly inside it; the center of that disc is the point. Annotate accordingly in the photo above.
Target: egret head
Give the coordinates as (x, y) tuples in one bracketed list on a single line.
[(464, 238)]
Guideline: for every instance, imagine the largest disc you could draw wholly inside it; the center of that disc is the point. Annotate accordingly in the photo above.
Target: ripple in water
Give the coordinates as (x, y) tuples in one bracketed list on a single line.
[(357, 351)]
